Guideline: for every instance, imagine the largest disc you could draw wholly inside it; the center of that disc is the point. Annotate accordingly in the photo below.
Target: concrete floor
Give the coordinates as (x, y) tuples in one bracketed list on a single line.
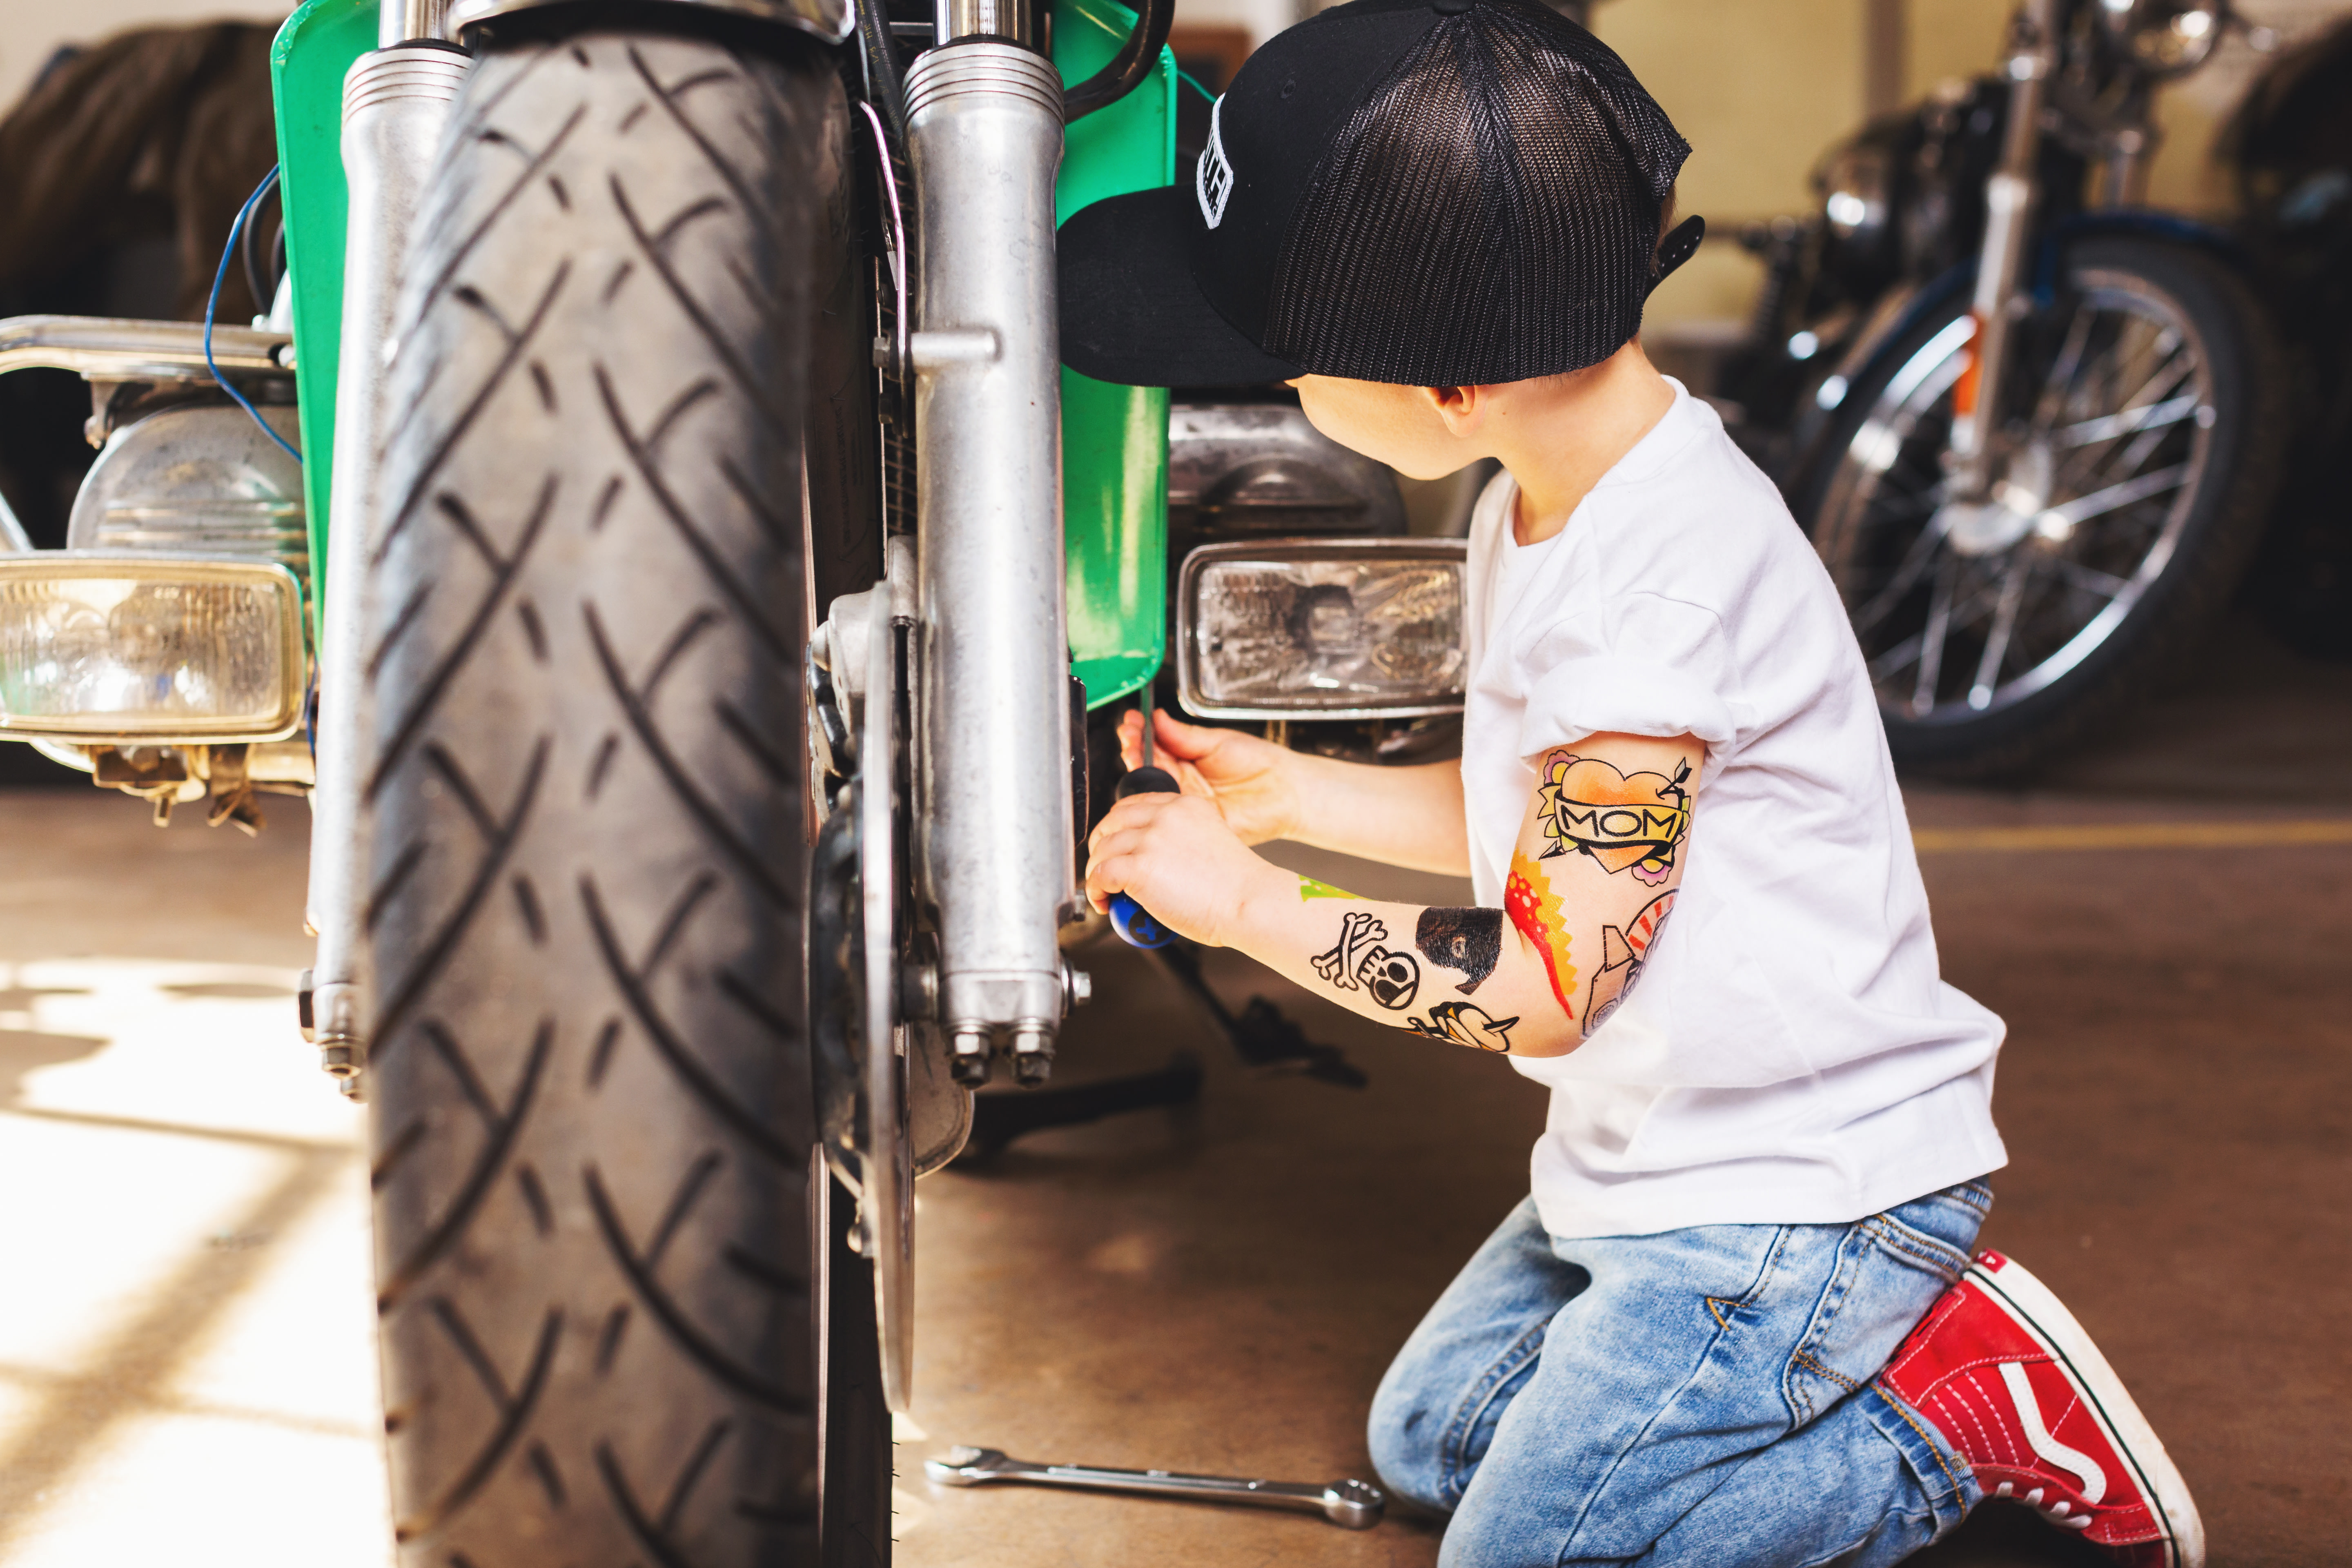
[(1220, 1289), (185, 1367)]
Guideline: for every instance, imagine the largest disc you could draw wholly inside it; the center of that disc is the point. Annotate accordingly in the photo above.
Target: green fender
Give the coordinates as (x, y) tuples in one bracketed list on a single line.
[(307, 64), (1114, 439)]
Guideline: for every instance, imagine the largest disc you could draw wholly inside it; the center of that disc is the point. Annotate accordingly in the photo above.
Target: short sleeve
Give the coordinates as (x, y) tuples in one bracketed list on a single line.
[(1636, 664)]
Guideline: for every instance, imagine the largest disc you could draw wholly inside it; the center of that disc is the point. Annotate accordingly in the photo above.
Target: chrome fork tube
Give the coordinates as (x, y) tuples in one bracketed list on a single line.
[(1012, 21), (400, 21), (984, 124), (2009, 214), (397, 102)]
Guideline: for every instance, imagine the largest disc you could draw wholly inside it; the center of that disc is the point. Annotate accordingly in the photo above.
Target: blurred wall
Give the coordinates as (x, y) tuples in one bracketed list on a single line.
[(1945, 35), (1263, 18), (32, 30), (1759, 87)]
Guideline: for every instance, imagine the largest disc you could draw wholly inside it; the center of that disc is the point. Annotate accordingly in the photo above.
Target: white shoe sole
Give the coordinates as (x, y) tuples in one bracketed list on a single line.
[(2037, 1310)]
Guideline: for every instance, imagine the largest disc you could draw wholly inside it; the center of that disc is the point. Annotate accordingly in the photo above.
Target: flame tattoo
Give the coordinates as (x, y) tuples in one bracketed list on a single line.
[(1528, 899)]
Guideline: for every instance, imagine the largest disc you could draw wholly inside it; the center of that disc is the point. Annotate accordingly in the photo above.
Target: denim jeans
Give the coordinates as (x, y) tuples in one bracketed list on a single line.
[(1698, 1398)]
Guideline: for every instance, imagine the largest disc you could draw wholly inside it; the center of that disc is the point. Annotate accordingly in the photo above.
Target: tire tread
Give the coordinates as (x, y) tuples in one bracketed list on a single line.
[(590, 1088)]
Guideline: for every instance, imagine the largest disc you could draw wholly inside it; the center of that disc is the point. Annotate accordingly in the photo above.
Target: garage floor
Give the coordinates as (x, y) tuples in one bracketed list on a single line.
[(1219, 1289), (187, 1367), (185, 1370)]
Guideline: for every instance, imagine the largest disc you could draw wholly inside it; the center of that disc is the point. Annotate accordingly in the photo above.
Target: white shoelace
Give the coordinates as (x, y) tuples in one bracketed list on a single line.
[(2057, 1513)]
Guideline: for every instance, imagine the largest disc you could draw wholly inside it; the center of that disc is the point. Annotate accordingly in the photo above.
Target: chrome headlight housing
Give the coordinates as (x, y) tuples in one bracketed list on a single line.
[(2165, 38), (1322, 629), (149, 650), (1857, 186), (197, 480)]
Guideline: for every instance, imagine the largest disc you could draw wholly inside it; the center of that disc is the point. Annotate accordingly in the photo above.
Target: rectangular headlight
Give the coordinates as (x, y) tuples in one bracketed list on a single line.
[(148, 649), (1332, 629)]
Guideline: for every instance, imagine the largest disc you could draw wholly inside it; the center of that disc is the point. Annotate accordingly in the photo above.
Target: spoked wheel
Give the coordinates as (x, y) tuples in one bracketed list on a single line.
[(2131, 491)]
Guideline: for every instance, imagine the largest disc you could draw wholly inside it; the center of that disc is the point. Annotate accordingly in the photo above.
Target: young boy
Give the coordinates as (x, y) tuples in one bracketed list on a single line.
[(1736, 1323)]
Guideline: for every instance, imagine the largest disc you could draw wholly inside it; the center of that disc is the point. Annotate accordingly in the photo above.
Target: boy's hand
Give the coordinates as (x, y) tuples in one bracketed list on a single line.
[(1250, 781), (1174, 855)]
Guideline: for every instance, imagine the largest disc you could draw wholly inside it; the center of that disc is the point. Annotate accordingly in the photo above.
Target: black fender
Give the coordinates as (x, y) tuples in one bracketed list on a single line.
[(2137, 222), (1897, 311)]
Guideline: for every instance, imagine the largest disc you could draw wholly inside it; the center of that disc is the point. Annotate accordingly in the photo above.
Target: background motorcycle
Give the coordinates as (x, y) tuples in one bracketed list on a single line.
[(2034, 430), (2290, 144)]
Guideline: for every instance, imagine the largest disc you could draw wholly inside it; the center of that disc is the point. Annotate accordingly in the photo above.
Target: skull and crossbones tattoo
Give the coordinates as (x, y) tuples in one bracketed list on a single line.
[(1359, 962)]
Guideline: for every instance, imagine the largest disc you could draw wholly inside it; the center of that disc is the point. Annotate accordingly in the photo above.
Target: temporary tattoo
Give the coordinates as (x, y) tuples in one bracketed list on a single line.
[(1527, 899), (1357, 931), (1308, 888), (1622, 822), (1359, 963), (1465, 1024), (1467, 939), (1623, 950), (1392, 978)]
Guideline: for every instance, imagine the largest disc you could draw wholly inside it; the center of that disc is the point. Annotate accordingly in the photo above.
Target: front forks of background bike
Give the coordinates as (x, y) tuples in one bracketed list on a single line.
[(2000, 258), (994, 859)]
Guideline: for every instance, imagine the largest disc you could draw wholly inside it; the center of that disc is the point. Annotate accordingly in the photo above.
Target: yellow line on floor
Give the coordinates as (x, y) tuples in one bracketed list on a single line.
[(2060, 835)]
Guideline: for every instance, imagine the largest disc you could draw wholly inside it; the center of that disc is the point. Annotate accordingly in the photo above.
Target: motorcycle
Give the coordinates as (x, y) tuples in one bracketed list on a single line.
[(2033, 429), (2288, 145), (654, 528)]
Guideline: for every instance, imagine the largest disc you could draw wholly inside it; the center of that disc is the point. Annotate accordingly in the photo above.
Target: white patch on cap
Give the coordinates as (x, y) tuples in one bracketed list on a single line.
[(1212, 177)]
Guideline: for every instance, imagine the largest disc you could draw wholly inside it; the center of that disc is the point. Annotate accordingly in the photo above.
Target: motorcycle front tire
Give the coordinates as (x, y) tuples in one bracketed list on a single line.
[(2169, 624), (604, 1251)]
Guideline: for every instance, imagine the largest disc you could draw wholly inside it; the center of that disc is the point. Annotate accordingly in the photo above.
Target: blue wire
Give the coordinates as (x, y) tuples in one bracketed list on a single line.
[(213, 304)]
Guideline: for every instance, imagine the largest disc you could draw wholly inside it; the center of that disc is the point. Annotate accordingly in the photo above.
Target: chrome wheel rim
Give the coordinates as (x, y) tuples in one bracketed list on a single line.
[(1963, 611)]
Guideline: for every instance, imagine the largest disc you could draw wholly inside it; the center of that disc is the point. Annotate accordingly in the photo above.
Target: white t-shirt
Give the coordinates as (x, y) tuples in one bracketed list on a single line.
[(1791, 1055)]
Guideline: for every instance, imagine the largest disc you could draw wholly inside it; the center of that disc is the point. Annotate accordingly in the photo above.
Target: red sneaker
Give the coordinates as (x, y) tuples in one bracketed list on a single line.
[(2018, 1389)]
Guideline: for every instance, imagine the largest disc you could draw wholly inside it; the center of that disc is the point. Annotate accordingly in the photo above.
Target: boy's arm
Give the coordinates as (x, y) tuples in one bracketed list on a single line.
[(1598, 861), (1409, 816)]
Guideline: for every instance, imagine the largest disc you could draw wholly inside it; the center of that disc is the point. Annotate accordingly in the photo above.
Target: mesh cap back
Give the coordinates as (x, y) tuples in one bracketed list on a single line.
[(1428, 191), (1489, 212)]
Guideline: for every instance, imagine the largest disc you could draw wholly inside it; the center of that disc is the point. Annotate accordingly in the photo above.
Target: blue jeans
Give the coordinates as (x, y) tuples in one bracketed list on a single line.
[(1698, 1398)]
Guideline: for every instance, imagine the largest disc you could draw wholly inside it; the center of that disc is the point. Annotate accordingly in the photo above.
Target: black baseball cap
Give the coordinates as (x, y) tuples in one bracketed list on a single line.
[(1436, 193)]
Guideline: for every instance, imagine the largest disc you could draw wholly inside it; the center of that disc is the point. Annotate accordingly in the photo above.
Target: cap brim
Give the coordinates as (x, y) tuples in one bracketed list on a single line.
[(1131, 312)]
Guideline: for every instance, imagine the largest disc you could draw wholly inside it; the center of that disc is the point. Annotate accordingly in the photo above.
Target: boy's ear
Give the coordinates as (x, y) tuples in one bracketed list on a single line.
[(1461, 407)]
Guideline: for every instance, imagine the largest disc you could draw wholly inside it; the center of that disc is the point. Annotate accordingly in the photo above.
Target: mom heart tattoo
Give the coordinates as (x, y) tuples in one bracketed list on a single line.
[(1626, 822)]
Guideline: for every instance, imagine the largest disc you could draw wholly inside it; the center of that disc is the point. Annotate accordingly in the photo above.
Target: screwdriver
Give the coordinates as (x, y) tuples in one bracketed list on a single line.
[(1130, 920)]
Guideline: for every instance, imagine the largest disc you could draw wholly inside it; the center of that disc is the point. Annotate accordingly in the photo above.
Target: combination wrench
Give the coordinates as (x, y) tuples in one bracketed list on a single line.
[(1349, 1504)]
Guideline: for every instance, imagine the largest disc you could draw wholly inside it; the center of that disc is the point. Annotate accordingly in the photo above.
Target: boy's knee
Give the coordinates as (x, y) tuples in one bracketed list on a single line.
[(1405, 1435)]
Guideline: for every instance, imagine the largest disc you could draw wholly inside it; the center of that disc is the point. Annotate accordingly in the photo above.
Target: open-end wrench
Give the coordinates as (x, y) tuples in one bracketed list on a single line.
[(1352, 1505)]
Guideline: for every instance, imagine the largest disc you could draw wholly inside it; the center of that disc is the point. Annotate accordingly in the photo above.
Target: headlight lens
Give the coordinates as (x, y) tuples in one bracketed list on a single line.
[(1858, 186), (148, 649), (2165, 38), (1336, 628)]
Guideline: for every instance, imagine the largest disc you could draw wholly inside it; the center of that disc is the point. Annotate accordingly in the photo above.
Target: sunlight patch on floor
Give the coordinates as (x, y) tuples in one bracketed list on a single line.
[(187, 1369)]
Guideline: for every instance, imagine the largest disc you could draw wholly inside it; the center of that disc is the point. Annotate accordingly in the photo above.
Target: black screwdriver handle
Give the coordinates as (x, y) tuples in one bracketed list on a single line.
[(1130, 920)]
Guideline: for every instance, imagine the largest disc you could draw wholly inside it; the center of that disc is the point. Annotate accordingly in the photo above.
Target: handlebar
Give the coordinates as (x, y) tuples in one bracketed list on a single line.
[(1128, 67)]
